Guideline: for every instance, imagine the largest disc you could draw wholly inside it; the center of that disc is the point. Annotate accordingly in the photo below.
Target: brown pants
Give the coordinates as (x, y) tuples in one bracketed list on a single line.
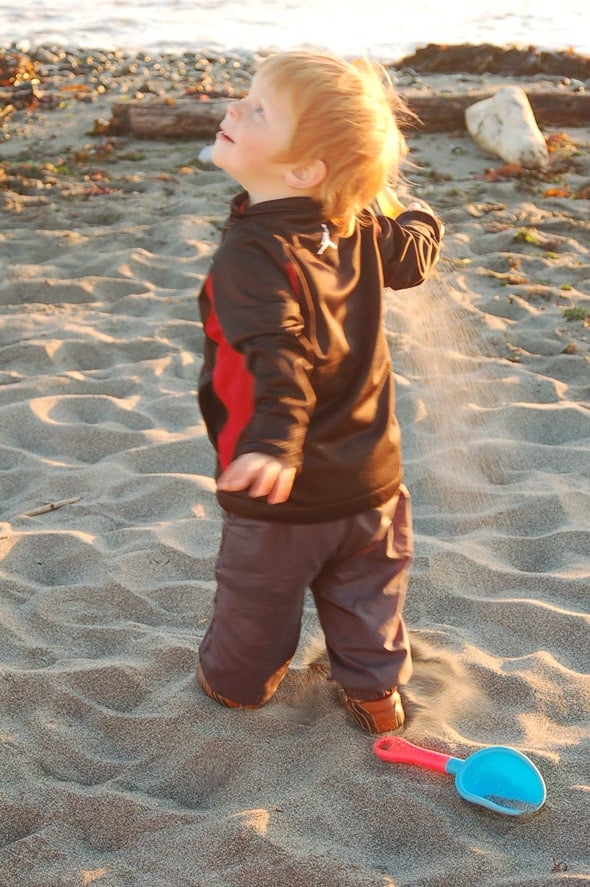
[(357, 569)]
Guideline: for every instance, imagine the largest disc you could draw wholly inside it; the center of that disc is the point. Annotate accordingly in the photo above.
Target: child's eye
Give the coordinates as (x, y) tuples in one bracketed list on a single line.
[(259, 110)]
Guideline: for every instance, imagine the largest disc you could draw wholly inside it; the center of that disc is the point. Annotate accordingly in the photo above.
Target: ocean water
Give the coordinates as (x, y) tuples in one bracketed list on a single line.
[(385, 29)]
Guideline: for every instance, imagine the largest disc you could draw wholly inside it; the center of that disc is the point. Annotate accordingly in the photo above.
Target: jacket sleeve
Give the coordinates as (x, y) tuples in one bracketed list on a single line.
[(409, 246), (261, 319)]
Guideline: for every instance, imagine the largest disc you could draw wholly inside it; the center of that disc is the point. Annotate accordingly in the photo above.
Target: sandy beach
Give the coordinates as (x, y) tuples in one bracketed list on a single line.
[(115, 769)]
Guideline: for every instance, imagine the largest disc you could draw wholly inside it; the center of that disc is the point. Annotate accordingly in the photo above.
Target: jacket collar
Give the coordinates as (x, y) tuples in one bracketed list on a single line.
[(302, 207)]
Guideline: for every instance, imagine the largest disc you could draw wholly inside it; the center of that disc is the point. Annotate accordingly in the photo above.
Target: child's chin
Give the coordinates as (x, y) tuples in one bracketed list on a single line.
[(217, 156)]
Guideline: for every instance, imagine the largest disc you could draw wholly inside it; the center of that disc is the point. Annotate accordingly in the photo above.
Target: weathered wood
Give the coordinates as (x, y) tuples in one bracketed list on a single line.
[(555, 108), (193, 119), (168, 119)]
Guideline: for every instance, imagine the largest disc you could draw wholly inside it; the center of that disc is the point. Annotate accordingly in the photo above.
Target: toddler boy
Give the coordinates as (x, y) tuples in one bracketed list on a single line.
[(297, 387)]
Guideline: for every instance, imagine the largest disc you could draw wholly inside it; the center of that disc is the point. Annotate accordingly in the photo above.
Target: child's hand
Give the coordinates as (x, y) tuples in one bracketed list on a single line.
[(261, 475), (391, 206), (389, 203), (420, 206)]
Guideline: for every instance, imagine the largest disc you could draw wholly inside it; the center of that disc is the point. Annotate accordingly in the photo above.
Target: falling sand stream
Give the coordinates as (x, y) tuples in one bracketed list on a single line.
[(486, 466)]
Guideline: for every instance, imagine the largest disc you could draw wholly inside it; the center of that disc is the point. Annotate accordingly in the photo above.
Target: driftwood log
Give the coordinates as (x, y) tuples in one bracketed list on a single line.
[(168, 118), (198, 119), (553, 108)]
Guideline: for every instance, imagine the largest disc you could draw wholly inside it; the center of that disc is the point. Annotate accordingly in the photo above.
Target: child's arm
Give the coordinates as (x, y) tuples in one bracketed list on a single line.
[(388, 204), (261, 475), (409, 242)]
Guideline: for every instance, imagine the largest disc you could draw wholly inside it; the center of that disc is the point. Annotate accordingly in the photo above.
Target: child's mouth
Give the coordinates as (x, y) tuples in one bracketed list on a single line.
[(224, 137)]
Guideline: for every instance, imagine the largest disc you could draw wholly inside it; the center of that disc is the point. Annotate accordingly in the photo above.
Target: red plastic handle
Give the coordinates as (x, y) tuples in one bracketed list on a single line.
[(400, 751)]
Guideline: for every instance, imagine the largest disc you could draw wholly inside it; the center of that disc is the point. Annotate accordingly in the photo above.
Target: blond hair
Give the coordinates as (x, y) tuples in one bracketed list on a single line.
[(346, 115)]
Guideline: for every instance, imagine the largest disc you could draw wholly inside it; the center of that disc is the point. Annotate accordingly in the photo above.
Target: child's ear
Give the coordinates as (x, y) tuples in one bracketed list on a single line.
[(306, 175)]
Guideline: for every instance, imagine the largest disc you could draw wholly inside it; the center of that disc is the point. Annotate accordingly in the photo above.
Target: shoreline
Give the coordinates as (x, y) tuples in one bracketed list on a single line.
[(461, 59)]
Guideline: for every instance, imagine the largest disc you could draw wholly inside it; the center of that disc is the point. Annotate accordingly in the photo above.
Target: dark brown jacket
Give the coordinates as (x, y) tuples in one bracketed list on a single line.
[(296, 363)]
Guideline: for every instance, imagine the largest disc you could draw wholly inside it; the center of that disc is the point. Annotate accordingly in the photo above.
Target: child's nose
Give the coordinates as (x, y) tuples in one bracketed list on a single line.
[(232, 109)]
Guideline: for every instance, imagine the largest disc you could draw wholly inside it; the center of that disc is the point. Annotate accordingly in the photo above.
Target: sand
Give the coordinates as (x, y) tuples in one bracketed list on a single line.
[(115, 769)]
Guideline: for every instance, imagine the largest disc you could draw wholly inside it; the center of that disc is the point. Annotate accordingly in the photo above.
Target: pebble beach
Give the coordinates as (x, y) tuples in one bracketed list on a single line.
[(115, 769)]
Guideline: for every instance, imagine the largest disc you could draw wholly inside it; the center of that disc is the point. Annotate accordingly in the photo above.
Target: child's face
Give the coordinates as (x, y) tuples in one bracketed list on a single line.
[(254, 132)]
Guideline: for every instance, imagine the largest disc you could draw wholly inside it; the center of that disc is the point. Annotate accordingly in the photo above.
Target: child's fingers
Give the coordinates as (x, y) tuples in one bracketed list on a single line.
[(241, 473), (264, 478), (282, 487), (261, 475)]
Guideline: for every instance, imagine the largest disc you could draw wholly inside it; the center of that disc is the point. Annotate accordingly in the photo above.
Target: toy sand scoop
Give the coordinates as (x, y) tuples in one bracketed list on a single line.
[(497, 777)]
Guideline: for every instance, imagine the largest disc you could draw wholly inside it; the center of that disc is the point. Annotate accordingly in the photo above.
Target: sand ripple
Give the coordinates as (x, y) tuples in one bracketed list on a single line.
[(115, 769)]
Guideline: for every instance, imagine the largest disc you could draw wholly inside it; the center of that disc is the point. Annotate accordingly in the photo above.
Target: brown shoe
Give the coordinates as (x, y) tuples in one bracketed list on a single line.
[(382, 715), (269, 690), (223, 700)]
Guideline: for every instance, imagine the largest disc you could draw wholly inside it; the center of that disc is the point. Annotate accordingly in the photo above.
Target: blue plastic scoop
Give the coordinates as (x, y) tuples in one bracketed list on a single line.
[(497, 777)]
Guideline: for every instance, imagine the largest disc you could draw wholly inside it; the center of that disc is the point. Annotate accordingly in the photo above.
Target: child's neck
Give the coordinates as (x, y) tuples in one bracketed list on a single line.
[(262, 196)]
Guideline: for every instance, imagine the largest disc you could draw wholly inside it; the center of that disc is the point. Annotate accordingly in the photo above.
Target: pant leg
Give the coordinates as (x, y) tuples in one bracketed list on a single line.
[(262, 574), (360, 596)]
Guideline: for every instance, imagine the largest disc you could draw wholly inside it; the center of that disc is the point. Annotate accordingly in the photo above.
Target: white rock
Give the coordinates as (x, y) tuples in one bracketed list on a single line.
[(205, 155), (505, 125)]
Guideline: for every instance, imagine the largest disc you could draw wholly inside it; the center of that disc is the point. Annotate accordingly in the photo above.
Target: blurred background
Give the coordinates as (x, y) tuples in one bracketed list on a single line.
[(385, 29)]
